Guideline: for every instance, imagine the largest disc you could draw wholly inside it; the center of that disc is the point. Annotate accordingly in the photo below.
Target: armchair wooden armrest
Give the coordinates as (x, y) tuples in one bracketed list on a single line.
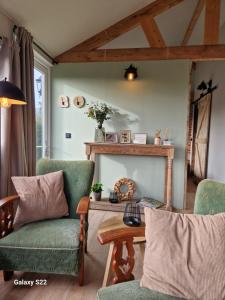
[(7, 215), (83, 206), (7, 200), (114, 231)]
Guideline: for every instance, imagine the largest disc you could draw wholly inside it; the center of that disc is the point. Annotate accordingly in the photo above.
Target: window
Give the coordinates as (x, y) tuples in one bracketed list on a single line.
[(39, 80), (42, 100)]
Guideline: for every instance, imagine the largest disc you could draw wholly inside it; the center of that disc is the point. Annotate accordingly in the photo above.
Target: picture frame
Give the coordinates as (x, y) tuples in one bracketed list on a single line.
[(140, 138), (111, 137), (125, 137)]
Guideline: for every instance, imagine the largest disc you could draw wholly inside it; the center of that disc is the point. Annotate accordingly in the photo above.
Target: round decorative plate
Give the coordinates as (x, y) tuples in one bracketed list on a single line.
[(125, 189), (79, 101)]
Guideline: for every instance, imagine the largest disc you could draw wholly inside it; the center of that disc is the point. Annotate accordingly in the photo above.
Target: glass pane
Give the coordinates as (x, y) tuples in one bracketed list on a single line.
[(38, 89)]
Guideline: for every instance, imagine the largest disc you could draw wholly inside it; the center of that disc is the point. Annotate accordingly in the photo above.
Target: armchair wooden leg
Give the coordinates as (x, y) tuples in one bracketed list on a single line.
[(81, 274), (85, 247), (7, 275)]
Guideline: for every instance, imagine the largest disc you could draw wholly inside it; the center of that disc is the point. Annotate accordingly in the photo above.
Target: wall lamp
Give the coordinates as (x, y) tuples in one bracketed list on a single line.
[(130, 73), (10, 94)]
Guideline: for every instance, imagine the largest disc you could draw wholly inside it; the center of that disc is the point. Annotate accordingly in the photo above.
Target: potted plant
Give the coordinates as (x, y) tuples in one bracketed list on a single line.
[(99, 112), (97, 191)]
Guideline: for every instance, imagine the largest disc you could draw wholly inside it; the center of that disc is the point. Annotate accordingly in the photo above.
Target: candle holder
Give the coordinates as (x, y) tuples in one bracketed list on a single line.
[(132, 215)]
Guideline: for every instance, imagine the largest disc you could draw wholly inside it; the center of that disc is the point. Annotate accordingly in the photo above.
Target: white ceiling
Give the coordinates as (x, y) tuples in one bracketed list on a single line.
[(59, 25)]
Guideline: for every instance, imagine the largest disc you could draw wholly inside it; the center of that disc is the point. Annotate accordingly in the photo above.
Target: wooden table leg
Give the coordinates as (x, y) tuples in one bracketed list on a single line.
[(108, 266), (169, 185)]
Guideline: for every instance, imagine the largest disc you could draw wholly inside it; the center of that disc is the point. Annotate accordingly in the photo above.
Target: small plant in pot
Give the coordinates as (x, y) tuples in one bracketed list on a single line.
[(97, 191)]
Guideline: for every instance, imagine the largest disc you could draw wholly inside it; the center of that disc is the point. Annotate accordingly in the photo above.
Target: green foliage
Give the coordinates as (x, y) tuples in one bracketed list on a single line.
[(99, 112), (97, 187)]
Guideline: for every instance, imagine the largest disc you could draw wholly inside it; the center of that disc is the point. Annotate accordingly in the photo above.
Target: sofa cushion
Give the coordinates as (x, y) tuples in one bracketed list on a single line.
[(50, 246), (78, 176), (131, 290), (185, 254), (41, 198)]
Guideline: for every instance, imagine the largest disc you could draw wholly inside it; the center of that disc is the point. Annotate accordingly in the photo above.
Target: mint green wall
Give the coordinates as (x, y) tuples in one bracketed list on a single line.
[(157, 100)]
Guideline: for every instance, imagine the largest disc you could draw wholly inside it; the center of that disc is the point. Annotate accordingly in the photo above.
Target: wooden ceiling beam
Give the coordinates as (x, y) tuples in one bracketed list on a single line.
[(195, 53), (155, 8), (194, 19), (212, 22), (152, 32)]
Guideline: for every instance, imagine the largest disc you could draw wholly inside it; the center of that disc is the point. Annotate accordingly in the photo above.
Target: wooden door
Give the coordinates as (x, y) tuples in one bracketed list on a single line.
[(201, 137)]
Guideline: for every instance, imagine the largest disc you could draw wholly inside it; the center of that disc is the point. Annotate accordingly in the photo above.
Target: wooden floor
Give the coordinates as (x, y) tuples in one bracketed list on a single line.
[(66, 287)]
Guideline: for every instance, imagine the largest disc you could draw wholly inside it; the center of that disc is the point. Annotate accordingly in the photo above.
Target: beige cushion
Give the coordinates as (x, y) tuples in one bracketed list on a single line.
[(41, 197), (185, 255)]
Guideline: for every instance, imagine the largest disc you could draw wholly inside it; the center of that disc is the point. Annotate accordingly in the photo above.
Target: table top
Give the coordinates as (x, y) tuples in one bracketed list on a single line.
[(114, 228)]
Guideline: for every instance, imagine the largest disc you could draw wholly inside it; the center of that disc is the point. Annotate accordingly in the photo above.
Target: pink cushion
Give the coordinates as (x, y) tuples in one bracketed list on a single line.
[(185, 254), (41, 197)]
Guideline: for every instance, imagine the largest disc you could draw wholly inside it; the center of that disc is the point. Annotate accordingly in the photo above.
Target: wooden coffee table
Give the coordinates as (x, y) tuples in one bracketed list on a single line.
[(115, 232)]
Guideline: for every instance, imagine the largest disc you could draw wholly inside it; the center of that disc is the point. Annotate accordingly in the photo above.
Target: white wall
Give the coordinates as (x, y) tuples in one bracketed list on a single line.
[(216, 71), (6, 25)]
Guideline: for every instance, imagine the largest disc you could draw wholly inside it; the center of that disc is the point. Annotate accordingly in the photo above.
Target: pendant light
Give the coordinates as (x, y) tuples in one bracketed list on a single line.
[(10, 94)]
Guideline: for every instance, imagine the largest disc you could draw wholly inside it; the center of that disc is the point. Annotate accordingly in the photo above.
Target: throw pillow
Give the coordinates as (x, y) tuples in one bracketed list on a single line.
[(41, 197), (185, 254)]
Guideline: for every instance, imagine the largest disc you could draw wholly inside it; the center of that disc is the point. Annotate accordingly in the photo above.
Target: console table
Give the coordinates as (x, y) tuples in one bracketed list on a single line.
[(141, 150)]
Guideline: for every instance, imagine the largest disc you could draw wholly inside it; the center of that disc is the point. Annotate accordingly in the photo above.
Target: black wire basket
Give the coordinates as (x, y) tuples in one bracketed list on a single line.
[(132, 215)]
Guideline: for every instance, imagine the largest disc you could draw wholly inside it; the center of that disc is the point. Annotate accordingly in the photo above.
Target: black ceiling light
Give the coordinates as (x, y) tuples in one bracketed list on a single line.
[(10, 94), (130, 73)]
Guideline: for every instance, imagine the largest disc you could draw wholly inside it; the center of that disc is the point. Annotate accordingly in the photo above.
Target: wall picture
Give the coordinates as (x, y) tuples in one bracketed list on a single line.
[(140, 138), (125, 136), (111, 137)]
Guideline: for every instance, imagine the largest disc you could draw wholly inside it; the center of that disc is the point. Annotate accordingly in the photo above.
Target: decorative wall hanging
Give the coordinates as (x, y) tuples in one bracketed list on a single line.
[(125, 189), (79, 101), (63, 101)]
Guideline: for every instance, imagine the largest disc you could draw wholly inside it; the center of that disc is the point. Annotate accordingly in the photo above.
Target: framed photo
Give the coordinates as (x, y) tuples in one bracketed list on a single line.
[(140, 138), (125, 136), (111, 137)]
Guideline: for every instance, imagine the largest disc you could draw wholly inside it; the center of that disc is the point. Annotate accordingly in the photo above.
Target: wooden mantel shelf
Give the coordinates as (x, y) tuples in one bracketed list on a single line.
[(140, 150), (129, 149)]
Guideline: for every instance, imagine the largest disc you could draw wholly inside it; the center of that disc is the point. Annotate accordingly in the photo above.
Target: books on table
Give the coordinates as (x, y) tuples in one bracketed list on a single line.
[(150, 202)]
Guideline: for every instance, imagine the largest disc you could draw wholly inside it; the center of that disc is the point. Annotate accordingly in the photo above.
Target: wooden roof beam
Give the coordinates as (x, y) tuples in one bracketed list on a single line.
[(193, 22), (195, 53), (155, 8), (152, 32), (212, 22)]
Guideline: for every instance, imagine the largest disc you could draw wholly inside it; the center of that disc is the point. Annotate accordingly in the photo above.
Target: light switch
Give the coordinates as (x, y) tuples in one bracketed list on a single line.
[(68, 135)]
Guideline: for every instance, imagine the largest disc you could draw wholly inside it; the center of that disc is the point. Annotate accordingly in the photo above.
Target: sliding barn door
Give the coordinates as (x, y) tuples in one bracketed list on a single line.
[(201, 137)]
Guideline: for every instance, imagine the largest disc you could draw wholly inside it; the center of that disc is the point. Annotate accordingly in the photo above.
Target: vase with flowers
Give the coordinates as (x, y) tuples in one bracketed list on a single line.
[(99, 112)]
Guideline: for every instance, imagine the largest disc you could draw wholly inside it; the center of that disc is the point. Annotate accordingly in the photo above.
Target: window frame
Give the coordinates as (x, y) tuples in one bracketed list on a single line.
[(44, 66)]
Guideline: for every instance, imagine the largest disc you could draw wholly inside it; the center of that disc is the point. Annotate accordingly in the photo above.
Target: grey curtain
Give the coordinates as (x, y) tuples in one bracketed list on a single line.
[(18, 144)]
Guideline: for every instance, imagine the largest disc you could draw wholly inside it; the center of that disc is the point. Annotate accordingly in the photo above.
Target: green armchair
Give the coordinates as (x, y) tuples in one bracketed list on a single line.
[(50, 246), (209, 199)]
